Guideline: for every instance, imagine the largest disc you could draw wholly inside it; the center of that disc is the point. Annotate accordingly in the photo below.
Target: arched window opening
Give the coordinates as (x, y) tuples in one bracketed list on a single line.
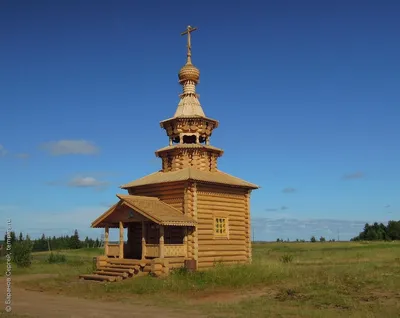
[(189, 139)]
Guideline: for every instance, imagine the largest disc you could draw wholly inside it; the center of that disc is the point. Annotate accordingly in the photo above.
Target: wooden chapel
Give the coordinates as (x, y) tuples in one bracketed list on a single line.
[(189, 213)]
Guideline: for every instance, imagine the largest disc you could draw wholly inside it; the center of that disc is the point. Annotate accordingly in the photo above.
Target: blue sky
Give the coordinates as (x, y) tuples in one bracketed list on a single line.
[(306, 92)]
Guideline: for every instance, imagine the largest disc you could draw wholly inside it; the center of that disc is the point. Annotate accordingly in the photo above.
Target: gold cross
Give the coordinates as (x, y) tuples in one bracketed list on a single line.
[(189, 29)]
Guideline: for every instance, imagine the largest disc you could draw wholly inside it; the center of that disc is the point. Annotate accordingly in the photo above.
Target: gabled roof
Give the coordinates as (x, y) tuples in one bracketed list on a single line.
[(150, 207), (190, 173)]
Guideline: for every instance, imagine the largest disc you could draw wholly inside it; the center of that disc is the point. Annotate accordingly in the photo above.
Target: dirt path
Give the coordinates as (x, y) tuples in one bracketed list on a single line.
[(39, 304)]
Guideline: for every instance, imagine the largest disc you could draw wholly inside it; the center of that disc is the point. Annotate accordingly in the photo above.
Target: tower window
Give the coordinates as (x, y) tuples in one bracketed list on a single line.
[(176, 140)]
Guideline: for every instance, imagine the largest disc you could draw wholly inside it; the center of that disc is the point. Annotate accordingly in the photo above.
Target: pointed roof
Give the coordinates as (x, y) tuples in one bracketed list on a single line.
[(217, 177), (150, 208), (189, 106)]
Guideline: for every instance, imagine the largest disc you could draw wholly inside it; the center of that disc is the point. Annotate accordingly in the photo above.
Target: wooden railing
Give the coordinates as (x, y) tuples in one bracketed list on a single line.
[(170, 250), (152, 250), (113, 250)]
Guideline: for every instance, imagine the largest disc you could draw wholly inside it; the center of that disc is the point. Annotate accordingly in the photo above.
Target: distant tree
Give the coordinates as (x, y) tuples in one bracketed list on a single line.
[(379, 232), (297, 240), (322, 239), (97, 243), (313, 239), (278, 240), (21, 237), (75, 243), (22, 253), (393, 230)]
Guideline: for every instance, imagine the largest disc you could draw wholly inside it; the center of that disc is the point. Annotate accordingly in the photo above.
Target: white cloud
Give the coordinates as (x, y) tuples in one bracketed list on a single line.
[(3, 151), (82, 182), (70, 147), (86, 182)]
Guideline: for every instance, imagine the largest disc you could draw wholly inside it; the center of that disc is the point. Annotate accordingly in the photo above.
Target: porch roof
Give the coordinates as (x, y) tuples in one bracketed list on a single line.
[(150, 208)]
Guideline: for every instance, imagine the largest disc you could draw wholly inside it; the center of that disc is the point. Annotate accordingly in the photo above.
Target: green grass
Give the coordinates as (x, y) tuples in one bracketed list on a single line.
[(77, 262), (338, 279)]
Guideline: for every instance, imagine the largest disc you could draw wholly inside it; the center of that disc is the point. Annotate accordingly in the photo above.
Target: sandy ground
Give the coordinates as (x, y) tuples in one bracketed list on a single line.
[(40, 304)]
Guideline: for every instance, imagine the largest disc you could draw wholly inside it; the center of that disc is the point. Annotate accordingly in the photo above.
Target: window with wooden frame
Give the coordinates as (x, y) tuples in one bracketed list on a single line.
[(221, 226)]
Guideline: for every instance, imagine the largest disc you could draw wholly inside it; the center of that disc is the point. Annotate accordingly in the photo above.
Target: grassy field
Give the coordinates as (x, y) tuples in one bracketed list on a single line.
[(338, 279)]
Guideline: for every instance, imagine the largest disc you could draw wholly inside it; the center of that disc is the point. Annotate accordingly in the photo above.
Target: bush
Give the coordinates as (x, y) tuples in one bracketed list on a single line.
[(56, 258), (22, 253), (287, 258), (313, 239)]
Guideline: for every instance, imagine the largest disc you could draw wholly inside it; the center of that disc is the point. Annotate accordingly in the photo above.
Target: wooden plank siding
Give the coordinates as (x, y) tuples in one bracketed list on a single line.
[(232, 204)]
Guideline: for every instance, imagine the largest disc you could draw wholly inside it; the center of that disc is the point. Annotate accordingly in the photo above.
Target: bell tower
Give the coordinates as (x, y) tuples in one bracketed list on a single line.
[(189, 131)]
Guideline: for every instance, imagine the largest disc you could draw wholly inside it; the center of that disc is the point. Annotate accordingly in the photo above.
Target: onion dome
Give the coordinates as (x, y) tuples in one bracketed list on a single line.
[(189, 72)]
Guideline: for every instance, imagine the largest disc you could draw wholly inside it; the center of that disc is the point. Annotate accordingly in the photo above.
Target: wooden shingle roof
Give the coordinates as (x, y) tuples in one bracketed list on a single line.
[(151, 208), (217, 177)]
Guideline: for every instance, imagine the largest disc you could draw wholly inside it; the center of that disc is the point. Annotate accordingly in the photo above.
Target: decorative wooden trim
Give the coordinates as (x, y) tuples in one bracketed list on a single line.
[(221, 194)]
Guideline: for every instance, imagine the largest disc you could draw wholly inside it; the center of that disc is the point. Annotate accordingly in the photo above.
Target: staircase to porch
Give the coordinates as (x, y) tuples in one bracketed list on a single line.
[(113, 270), (117, 269)]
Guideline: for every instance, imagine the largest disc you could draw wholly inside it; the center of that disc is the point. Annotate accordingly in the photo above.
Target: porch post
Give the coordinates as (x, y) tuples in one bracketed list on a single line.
[(161, 241), (185, 241), (121, 240), (143, 240), (106, 231)]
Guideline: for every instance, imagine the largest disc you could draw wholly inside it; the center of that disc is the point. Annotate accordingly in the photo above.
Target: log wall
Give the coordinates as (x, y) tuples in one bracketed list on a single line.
[(172, 193), (232, 204)]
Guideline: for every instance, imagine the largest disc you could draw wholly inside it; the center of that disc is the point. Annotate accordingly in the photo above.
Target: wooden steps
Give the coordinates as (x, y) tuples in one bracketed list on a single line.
[(114, 270)]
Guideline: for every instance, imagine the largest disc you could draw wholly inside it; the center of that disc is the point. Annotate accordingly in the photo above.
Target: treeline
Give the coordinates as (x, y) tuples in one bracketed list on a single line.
[(380, 232), (312, 240), (46, 243)]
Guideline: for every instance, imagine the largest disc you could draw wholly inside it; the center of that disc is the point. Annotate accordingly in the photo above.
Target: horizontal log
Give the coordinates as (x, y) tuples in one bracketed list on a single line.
[(115, 270), (227, 253), (125, 261), (205, 205), (222, 199), (220, 191), (207, 237), (107, 273), (98, 277), (223, 247), (119, 266), (217, 242)]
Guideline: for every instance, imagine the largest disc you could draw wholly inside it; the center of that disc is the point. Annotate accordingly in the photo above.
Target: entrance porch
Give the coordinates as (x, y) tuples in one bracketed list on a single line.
[(157, 238), (147, 240)]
